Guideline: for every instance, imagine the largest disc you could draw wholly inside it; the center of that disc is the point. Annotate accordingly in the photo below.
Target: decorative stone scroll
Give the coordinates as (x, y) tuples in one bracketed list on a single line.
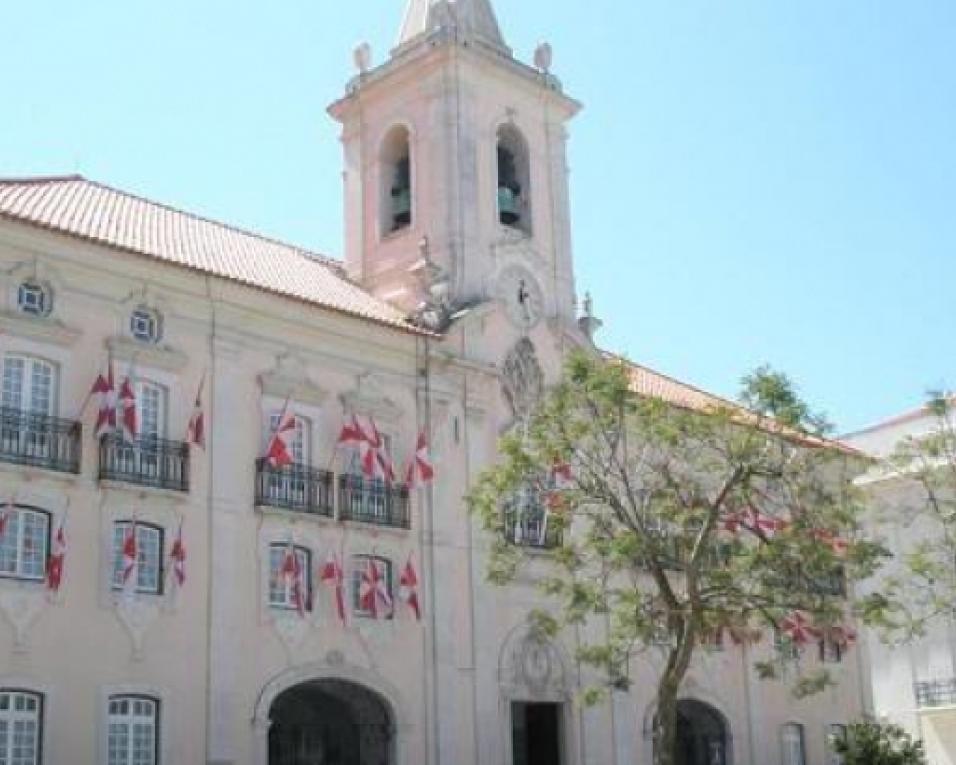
[(522, 381)]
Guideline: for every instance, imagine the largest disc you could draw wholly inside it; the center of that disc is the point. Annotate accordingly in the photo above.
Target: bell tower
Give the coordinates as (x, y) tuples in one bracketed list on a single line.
[(455, 164)]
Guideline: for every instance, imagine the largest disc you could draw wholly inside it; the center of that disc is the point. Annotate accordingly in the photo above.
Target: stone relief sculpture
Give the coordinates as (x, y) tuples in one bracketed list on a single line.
[(522, 381)]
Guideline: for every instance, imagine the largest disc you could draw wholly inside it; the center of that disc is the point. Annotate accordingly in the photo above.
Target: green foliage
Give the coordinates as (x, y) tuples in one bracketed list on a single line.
[(923, 587), (679, 523), (872, 744)]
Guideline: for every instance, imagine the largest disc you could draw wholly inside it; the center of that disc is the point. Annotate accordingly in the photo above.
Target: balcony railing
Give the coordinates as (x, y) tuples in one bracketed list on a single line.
[(28, 438), (145, 461), (373, 501), (936, 693), (299, 488), (530, 527)]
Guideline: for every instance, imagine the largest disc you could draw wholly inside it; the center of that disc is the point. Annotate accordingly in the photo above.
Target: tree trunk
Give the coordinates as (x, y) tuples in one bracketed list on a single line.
[(665, 721)]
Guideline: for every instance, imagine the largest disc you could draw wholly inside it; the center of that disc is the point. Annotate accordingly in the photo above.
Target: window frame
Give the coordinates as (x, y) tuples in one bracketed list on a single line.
[(152, 318), (130, 718), (275, 574), (116, 583), (11, 716), (18, 575), (27, 378), (834, 730), (33, 286), (141, 385), (359, 561), (800, 730)]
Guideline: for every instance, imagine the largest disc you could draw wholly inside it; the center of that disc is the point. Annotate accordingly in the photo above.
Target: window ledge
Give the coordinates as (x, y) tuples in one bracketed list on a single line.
[(156, 356), (32, 472), (294, 515), (175, 497), (39, 328)]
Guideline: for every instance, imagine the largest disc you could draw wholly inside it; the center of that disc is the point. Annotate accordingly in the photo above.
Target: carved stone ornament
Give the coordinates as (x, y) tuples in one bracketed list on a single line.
[(21, 607), (137, 615), (536, 666), (522, 380), (291, 628)]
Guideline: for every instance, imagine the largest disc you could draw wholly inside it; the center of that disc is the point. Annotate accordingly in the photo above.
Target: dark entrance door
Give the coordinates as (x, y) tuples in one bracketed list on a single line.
[(701, 735), (329, 722), (536, 734)]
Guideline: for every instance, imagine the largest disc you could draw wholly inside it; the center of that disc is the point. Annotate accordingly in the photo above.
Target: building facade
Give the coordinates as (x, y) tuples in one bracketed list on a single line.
[(914, 685), (457, 215)]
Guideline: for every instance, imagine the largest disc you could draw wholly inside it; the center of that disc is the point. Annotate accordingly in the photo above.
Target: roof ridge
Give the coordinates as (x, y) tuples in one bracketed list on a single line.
[(325, 260), (25, 179)]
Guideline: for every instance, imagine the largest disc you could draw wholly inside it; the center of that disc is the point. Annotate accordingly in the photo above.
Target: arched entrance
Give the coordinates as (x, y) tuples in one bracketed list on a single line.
[(330, 722), (701, 735)]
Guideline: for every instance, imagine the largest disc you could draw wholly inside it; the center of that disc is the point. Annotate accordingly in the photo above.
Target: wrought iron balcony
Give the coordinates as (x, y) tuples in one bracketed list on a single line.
[(145, 461), (529, 527), (936, 693), (373, 501), (38, 440), (299, 488)]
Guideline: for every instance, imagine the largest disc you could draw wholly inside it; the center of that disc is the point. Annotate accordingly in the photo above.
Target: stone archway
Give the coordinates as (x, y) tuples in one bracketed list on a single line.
[(702, 737), (330, 722)]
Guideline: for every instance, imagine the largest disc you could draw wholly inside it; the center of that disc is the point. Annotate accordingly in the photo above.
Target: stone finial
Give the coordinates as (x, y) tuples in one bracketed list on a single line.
[(362, 57), (588, 323), (544, 57)]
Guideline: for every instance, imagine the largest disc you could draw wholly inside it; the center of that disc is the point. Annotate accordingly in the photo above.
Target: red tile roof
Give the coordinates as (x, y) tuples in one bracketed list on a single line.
[(78, 207)]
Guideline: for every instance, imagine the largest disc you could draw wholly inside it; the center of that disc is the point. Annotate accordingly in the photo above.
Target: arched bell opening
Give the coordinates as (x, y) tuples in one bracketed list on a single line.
[(396, 174), (514, 179), (332, 722), (702, 735)]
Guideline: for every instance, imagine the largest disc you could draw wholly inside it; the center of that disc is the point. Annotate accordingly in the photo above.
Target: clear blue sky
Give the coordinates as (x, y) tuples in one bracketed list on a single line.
[(753, 181)]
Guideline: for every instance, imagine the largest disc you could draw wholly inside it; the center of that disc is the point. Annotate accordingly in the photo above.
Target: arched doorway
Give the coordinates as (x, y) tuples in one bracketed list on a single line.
[(330, 722), (701, 735)]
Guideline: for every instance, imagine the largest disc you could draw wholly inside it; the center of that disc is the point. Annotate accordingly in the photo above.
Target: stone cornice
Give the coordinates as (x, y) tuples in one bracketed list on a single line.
[(45, 330)]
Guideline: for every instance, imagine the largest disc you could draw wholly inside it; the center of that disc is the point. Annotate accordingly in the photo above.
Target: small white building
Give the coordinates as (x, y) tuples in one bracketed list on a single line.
[(914, 685), (457, 214)]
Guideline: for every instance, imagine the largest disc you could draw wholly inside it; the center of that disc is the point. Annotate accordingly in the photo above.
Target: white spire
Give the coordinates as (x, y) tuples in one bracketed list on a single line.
[(473, 19)]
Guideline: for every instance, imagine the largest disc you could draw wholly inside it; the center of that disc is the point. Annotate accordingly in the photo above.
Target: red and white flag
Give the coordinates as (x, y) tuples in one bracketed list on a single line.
[(408, 588), (420, 471), (57, 559), (130, 563), (5, 512), (293, 576), (373, 590), (104, 392), (332, 576), (196, 429), (843, 635), (839, 545), (127, 407), (376, 462), (178, 557), (352, 432), (279, 450), (797, 627)]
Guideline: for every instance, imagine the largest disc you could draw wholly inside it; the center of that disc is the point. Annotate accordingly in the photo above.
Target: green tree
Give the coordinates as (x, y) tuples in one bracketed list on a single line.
[(872, 744), (921, 497), (677, 523)]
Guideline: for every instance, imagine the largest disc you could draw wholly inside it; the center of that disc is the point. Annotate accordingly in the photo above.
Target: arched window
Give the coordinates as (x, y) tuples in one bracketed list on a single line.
[(372, 586), (791, 736), (514, 179), (148, 571), (133, 735), (287, 583), (21, 718), (396, 178)]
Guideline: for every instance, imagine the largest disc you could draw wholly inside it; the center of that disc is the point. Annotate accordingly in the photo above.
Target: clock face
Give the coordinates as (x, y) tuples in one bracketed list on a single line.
[(521, 295)]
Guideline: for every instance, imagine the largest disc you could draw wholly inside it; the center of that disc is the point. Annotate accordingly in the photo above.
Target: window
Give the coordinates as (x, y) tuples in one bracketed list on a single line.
[(280, 586), (359, 567), (836, 732), (29, 384), (23, 545), (514, 179), (792, 739), (368, 497), (149, 557), (34, 298), (786, 648), (133, 730), (21, 715), (396, 169), (151, 409), (831, 652), (145, 325)]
